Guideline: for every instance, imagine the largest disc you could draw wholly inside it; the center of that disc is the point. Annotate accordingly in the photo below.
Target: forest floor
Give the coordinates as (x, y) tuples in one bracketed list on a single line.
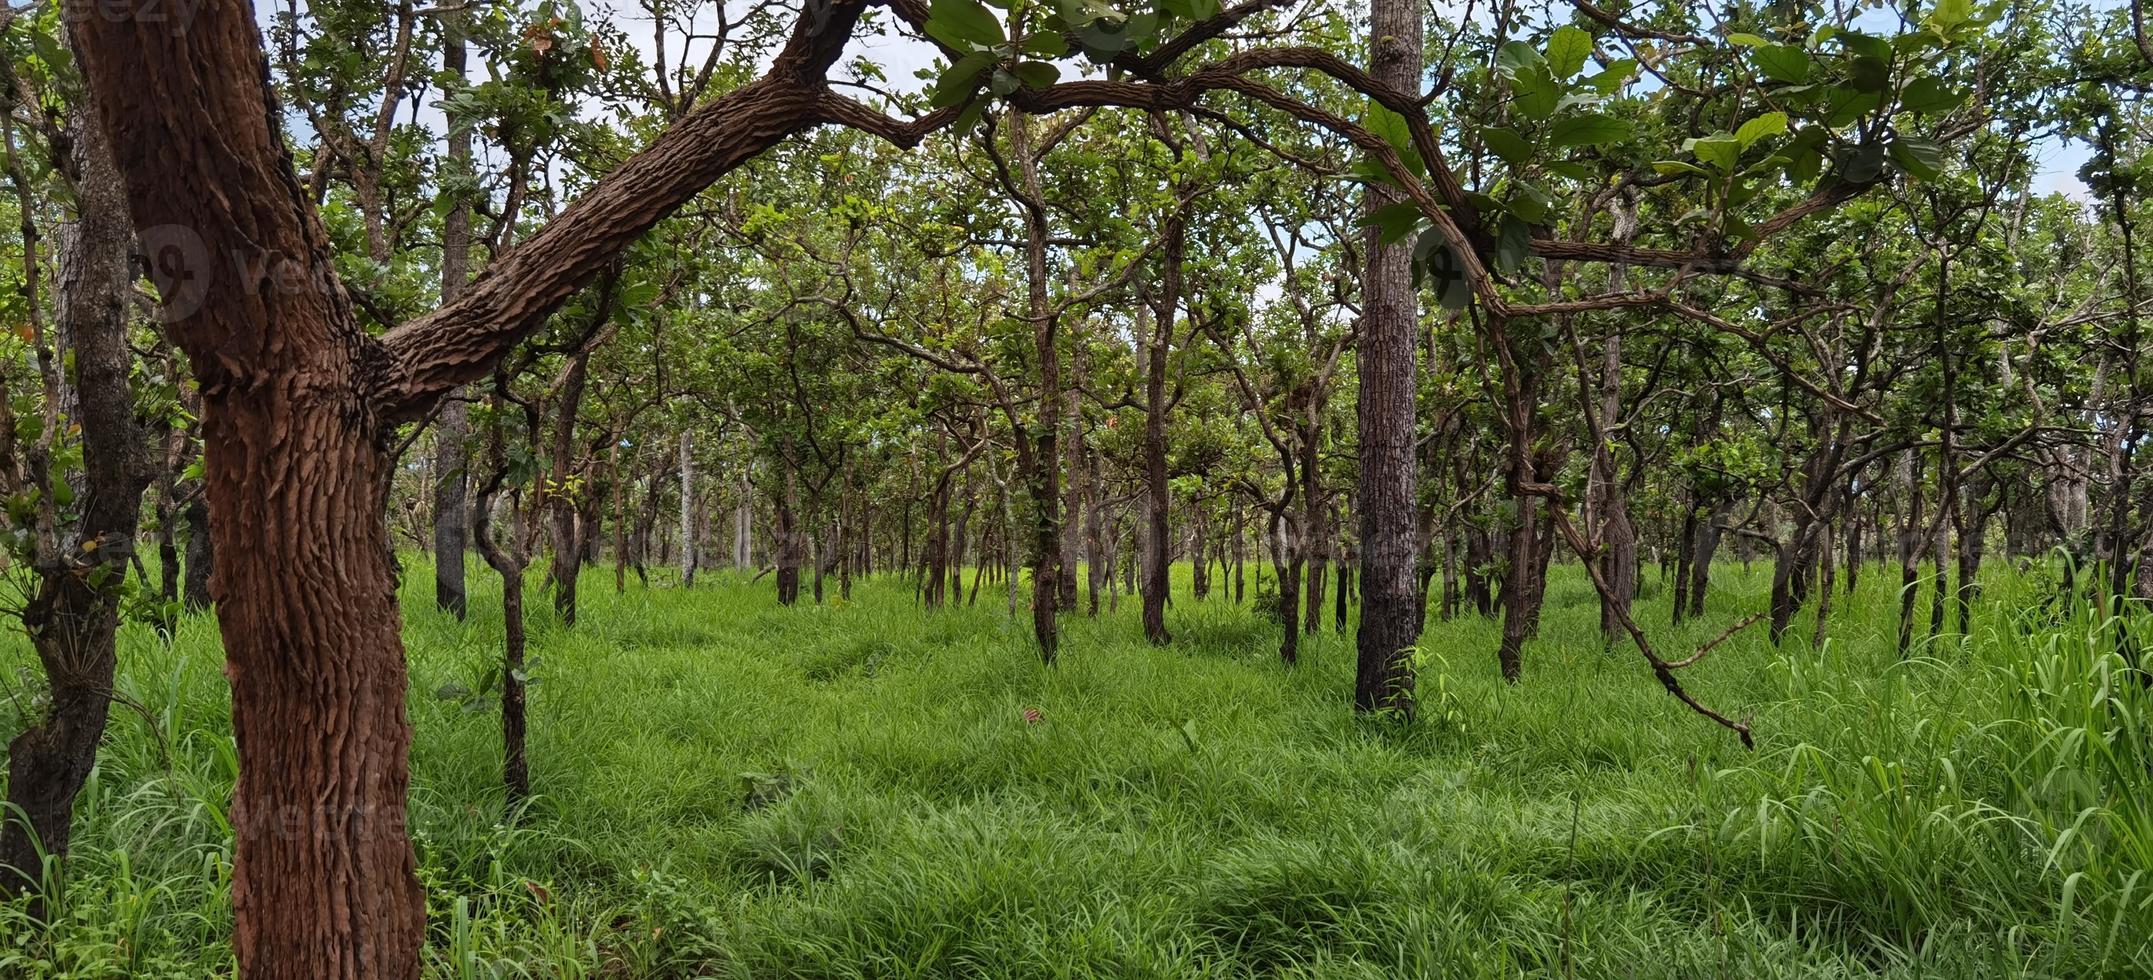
[(730, 788)]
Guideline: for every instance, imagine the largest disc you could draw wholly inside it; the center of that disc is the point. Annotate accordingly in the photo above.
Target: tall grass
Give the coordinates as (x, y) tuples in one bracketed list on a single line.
[(730, 788)]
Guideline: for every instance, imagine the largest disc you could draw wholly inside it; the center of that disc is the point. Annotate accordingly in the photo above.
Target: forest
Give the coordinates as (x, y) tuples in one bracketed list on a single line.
[(1075, 488)]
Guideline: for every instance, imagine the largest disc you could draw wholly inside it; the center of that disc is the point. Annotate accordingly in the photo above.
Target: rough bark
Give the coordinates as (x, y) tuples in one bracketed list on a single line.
[(452, 430), (1045, 460), (561, 500), (1156, 488), (1390, 607), (73, 615)]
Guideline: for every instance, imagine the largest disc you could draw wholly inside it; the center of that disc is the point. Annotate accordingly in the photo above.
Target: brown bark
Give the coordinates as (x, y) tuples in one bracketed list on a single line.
[(452, 430), (1390, 597), (73, 615), (201, 556), (562, 497), (1045, 468), (1156, 489)]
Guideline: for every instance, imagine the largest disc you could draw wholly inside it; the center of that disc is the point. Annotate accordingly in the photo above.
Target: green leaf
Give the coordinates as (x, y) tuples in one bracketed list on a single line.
[(1396, 221), (1567, 51), (959, 80), (1747, 40), (961, 23), (1590, 129), (1865, 164), (1515, 56), (1101, 44), (1917, 156), (1611, 79), (1572, 169), (1844, 105), (1930, 96), (1782, 63), (1528, 201), (1037, 74), (969, 117), (1367, 171), (1769, 124), (1514, 149), (1513, 244), (1047, 44), (1718, 152), (1865, 45), (1870, 74), (1003, 84), (1948, 15), (1537, 92), (1805, 156), (1392, 127)]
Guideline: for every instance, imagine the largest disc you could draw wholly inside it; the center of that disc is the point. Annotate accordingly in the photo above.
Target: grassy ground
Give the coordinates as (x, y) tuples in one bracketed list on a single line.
[(729, 788)]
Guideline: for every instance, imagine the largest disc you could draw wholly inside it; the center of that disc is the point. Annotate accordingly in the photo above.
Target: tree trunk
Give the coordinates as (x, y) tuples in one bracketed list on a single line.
[(688, 530), (73, 616), (788, 540), (1909, 546), (1045, 468), (452, 431), (1286, 563), (1390, 606), (1344, 592), (562, 497), (1156, 491)]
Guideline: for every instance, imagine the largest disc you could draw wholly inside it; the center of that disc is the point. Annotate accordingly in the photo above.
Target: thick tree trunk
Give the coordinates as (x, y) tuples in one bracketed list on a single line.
[(1390, 599), (317, 672)]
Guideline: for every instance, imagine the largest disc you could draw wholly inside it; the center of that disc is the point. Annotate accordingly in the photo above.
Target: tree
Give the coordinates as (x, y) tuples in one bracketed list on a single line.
[(297, 401), (1386, 356)]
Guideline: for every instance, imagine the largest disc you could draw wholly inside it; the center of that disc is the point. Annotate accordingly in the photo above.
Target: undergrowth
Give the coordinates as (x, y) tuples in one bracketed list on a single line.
[(729, 788)]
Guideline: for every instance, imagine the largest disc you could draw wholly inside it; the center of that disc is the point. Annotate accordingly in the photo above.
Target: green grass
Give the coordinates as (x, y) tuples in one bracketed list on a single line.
[(729, 788)]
